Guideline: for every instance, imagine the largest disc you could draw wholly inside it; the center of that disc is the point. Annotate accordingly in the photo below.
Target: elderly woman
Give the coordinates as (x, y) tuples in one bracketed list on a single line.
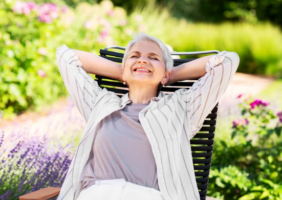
[(138, 146)]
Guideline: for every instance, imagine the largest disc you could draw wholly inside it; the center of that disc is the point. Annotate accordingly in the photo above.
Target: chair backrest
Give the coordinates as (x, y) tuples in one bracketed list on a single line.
[(202, 143)]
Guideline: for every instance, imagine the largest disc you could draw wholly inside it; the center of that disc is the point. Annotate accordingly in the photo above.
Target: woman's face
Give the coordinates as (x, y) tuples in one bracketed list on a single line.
[(146, 55)]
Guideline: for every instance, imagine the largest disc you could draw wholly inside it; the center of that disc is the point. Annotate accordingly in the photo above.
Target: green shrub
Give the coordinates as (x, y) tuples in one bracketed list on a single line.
[(29, 76), (228, 183), (256, 44), (252, 149)]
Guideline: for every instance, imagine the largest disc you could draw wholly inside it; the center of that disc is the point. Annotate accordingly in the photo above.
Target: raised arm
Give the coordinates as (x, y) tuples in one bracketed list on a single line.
[(74, 66), (205, 93), (189, 70), (95, 64)]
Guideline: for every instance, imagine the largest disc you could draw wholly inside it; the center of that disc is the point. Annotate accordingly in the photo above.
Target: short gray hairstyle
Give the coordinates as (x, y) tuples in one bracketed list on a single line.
[(144, 37)]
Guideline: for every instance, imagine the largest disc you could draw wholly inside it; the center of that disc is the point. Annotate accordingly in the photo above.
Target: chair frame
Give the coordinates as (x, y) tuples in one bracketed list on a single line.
[(201, 143)]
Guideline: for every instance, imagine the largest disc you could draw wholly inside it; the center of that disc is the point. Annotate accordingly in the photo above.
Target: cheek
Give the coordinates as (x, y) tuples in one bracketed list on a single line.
[(128, 63), (159, 66)]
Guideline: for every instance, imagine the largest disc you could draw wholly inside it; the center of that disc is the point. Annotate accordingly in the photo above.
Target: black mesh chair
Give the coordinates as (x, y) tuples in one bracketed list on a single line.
[(201, 143)]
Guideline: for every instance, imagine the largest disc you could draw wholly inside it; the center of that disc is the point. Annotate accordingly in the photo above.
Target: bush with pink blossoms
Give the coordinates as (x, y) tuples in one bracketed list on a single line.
[(258, 121), (27, 56), (29, 36), (46, 12), (247, 166)]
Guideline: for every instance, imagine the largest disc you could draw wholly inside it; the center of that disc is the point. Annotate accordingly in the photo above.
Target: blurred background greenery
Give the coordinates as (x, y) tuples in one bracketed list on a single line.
[(30, 32)]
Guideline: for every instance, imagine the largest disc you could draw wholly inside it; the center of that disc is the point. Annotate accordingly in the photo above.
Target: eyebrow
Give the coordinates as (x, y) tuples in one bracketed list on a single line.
[(154, 54)]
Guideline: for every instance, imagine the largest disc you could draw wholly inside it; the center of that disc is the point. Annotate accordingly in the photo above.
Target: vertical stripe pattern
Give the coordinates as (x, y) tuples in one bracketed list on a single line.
[(169, 121)]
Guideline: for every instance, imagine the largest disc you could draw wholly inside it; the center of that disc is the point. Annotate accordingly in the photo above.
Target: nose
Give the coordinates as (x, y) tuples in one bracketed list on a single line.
[(142, 60)]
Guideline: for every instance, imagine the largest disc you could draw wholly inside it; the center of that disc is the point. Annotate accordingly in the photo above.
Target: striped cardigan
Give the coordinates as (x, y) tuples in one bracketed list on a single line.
[(169, 121)]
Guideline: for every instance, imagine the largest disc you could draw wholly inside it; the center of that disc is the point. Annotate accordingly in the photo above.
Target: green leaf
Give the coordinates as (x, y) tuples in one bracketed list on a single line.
[(233, 134), (219, 183), (14, 90), (264, 194), (249, 196)]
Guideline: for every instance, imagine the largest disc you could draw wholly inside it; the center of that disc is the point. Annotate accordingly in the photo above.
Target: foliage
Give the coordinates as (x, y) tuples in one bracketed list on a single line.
[(29, 36), (250, 11), (228, 182), (250, 41), (31, 160), (254, 150), (26, 55), (220, 11), (266, 190), (28, 167)]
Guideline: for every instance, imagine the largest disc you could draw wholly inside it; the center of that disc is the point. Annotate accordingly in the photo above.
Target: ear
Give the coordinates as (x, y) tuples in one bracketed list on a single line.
[(166, 77)]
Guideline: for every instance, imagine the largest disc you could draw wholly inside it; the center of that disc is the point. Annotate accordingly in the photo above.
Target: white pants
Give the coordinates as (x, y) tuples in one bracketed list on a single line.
[(119, 189)]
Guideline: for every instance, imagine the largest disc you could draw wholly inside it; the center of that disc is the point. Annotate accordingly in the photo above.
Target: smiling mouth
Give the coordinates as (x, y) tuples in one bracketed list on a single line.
[(142, 70)]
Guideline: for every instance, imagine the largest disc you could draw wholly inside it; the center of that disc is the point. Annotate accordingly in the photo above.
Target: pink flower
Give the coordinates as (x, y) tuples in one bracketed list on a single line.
[(64, 8), (265, 103), (123, 22), (47, 12), (18, 7), (54, 15), (52, 7), (279, 114), (45, 18), (41, 73), (31, 5), (104, 34), (239, 96), (258, 102), (111, 13), (23, 7), (87, 24), (240, 122)]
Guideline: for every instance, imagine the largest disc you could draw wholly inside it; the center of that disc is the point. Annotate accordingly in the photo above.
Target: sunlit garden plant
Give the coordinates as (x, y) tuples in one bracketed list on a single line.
[(31, 160), (254, 151), (258, 123)]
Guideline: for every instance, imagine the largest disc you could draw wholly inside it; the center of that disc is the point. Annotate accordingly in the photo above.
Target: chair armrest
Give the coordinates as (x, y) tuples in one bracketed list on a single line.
[(42, 194)]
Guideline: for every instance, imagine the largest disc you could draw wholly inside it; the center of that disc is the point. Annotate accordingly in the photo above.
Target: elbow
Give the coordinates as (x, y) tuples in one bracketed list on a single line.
[(232, 57)]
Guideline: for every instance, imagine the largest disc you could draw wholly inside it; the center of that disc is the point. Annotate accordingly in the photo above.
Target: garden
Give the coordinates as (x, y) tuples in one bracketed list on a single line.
[(246, 162)]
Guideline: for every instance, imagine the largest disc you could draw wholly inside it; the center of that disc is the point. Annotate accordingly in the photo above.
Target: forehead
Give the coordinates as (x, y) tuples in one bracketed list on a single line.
[(146, 47)]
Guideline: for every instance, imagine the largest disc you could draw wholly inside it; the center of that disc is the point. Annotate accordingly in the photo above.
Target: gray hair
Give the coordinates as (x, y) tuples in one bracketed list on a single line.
[(144, 37)]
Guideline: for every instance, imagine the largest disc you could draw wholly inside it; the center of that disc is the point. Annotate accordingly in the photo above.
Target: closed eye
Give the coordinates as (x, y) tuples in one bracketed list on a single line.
[(155, 58)]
